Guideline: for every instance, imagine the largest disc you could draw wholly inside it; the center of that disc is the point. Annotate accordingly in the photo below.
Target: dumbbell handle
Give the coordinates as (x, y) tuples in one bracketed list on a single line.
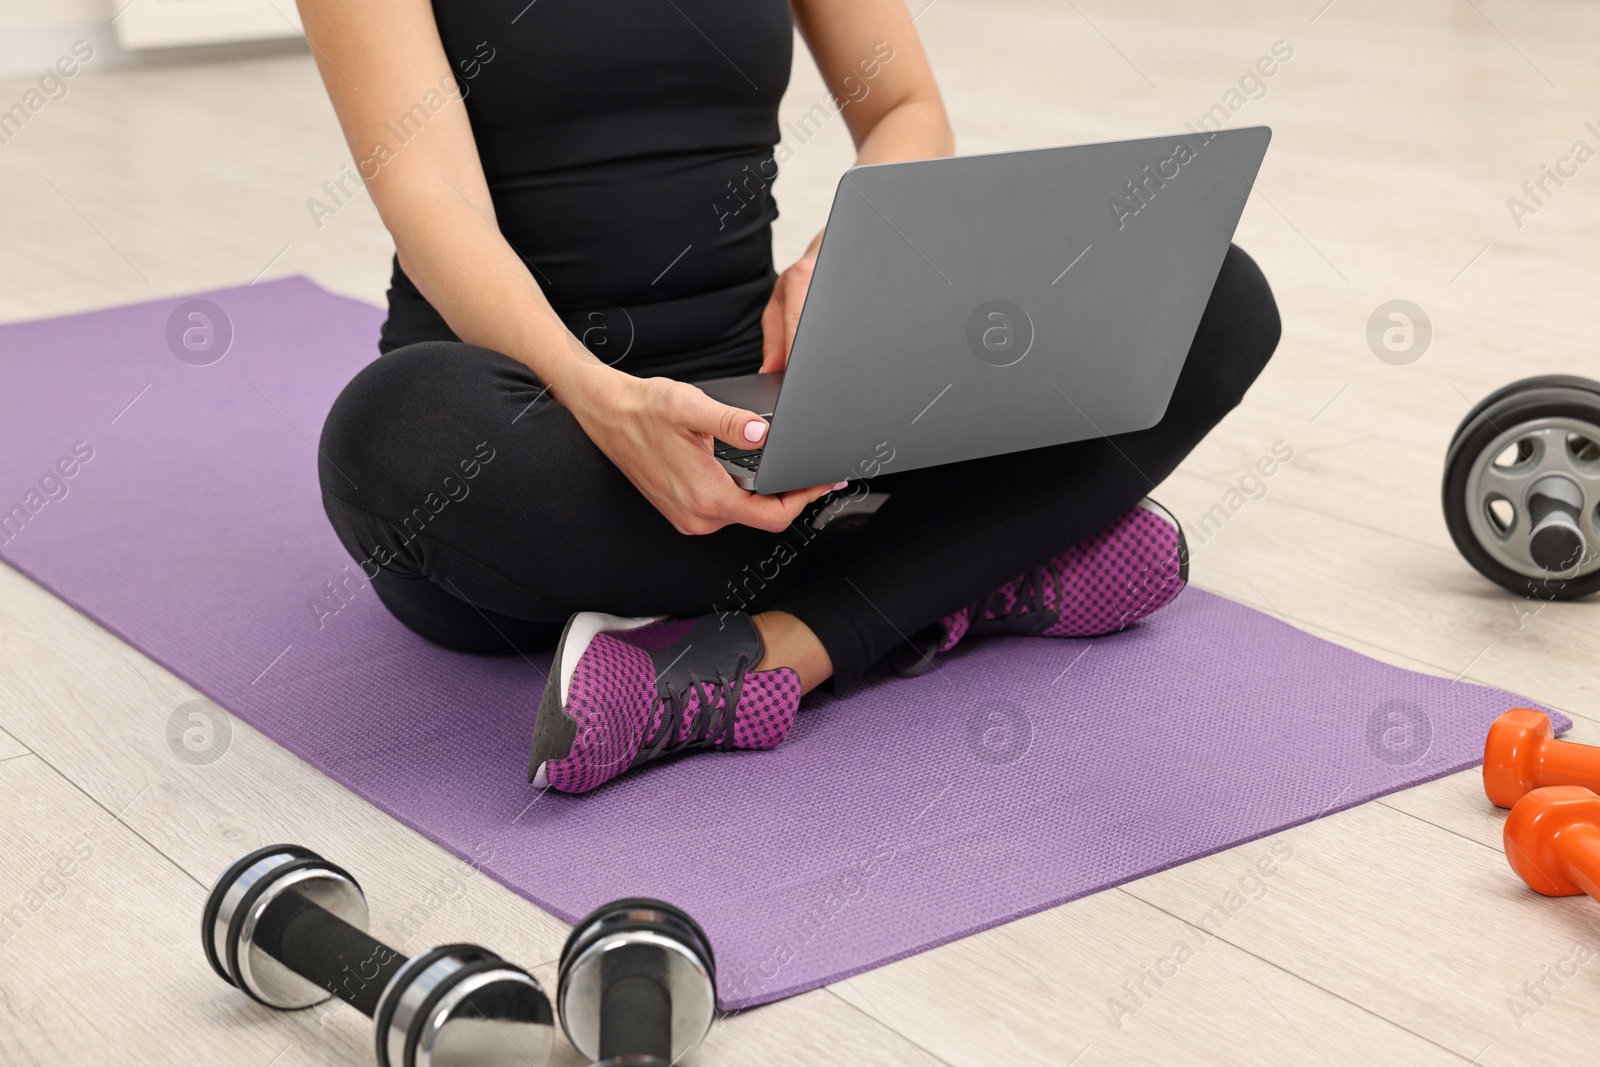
[(1521, 755), (328, 952), (635, 1007), (1579, 848), (1568, 763)]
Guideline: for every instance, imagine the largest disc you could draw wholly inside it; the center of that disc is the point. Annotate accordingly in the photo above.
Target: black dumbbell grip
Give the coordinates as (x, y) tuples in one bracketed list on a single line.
[(635, 1007), (327, 951)]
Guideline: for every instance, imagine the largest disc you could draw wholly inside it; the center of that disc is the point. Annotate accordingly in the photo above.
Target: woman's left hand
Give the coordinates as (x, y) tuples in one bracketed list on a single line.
[(782, 315)]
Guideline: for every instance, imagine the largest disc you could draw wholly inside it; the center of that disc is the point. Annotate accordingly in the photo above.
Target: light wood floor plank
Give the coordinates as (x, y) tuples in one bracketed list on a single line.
[(1111, 979), (1429, 930), (106, 966)]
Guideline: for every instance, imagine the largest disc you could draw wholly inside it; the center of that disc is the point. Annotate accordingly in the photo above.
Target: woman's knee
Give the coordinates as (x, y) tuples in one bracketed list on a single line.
[(1237, 334), (405, 416)]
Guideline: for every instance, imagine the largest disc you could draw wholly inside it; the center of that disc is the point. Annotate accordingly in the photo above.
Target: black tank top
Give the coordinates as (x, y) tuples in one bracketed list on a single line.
[(628, 146)]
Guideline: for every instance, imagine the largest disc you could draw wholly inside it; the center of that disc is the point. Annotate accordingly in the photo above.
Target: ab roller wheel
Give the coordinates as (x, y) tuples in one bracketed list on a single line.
[(1522, 487), (637, 977)]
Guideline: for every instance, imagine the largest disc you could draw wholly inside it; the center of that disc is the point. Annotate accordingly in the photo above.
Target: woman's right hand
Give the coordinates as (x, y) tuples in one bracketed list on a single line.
[(659, 434)]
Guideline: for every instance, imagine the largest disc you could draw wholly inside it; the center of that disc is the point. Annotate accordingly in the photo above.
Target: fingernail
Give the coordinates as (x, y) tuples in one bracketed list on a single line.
[(754, 429), (840, 485)]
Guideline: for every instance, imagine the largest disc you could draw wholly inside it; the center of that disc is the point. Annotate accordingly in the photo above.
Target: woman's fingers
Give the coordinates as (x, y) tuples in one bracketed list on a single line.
[(801, 498), (774, 341), (797, 282), (730, 425), (774, 513), (781, 317), (655, 433), (714, 503)]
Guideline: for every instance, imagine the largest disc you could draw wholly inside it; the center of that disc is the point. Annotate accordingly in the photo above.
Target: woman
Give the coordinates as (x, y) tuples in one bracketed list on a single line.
[(580, 199)]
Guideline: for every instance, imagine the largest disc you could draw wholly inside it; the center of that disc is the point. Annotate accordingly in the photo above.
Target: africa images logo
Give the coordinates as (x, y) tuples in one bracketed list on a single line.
[(999, 333)]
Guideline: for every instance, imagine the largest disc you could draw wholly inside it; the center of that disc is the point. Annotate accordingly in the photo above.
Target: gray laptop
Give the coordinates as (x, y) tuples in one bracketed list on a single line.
[(991, 304)]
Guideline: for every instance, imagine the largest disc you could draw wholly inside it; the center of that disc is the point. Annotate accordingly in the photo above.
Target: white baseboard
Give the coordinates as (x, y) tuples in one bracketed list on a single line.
[(178, 23), (27, 53)]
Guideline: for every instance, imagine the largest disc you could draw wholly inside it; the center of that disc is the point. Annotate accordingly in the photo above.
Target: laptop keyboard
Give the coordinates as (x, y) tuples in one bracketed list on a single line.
[(749, 459)]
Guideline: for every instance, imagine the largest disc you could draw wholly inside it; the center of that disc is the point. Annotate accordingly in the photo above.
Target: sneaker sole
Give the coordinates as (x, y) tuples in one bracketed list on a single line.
[(553, 729)]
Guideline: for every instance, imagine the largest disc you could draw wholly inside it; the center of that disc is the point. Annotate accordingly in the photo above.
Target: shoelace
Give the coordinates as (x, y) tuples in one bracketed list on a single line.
[(1028, 601), (712, 724)]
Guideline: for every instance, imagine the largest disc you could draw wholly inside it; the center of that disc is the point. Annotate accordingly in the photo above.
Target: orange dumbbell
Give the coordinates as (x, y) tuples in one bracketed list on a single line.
[(1521, 754), (1553, 840)]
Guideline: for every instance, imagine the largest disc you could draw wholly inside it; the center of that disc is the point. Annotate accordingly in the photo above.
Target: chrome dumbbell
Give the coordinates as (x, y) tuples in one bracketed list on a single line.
[(637, 984), (289, 929)]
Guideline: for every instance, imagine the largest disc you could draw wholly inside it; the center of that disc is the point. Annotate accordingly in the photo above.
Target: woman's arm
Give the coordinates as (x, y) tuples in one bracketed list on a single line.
[(873, 63), (381, 60)]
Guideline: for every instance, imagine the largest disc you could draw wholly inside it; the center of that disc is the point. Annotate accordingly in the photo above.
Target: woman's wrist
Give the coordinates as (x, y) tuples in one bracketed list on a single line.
[(557, 358), (585, 385)]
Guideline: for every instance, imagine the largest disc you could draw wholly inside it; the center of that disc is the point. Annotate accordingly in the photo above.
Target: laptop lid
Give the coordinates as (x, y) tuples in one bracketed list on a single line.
[(980, 305)]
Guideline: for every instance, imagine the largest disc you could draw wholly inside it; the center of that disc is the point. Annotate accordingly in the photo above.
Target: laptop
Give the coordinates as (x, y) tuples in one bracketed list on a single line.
[(984, 305)]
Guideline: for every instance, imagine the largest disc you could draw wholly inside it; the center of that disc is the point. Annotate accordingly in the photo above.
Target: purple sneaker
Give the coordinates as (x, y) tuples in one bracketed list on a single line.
[(1098, 586), (622, 692)]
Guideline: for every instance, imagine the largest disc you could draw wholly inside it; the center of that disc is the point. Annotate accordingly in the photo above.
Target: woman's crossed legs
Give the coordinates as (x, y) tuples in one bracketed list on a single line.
[(489, 518)]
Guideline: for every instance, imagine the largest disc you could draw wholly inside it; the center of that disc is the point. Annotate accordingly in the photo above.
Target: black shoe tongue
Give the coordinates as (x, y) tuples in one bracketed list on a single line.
[(714, 645)]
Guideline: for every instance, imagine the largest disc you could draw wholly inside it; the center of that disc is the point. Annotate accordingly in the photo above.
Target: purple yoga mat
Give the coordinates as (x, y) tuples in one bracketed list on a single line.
[(900, 815)]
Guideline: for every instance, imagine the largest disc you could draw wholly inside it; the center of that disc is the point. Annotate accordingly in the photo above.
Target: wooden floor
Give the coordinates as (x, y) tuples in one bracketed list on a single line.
[(1394, 932)]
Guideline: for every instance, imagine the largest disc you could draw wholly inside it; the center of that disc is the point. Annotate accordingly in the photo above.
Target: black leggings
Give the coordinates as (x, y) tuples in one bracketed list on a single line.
[(483, 515)]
